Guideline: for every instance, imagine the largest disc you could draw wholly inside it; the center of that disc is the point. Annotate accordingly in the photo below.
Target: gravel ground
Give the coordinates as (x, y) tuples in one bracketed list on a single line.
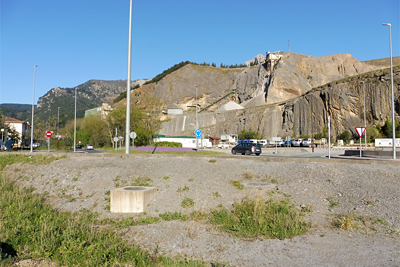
[(370, 189)]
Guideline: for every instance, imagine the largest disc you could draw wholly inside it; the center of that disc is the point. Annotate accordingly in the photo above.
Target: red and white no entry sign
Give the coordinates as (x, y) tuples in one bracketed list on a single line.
[(48, 133), (360, 131)]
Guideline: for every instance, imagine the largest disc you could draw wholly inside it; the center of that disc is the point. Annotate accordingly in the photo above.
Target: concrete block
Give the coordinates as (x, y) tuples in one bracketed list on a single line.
[(131, 199)]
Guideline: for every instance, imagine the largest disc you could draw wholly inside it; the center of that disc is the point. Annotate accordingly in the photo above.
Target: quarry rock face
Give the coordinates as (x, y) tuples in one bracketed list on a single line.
[(294, 95), (307, 114)]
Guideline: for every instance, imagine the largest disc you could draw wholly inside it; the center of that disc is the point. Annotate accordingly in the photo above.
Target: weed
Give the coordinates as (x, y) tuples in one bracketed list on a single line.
[(141, 181), (55, 181), (117, 178), (74, 179), (332, 203), (329, 181), (191, 180), (166, 177), (248, 176), (252, 218), (172, 216), (287, 195), (71, 199), (182, 190), (187, 202), (237, 184), (274, 181), (216, 194), (346, 222), (198, 215), (212, 160)]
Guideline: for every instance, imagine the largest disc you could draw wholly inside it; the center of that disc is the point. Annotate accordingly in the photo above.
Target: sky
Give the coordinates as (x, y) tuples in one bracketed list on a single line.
[(78, 40)]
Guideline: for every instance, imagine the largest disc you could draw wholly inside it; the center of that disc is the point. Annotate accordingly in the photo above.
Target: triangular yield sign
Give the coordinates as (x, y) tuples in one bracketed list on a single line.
[(360, 131)]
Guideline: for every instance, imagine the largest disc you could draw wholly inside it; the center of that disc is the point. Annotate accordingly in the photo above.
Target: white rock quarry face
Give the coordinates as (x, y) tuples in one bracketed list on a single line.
[(296, 74)]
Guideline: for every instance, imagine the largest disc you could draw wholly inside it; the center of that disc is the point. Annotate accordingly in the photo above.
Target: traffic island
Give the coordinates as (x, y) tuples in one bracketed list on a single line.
[(131, 199)]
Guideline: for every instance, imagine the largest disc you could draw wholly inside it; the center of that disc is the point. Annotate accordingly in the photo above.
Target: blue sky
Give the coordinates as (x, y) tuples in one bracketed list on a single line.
[(78, 40)]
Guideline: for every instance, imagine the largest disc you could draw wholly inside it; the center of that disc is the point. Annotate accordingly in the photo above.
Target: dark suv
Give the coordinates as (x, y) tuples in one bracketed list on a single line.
[(247, 148)]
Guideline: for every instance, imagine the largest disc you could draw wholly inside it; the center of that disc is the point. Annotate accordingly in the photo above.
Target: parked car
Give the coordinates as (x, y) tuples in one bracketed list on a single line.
[(79, 146), (288, 143), (263, 143), (223, 145), (306, 142), (247, 148), (296, 142), (89, 147)]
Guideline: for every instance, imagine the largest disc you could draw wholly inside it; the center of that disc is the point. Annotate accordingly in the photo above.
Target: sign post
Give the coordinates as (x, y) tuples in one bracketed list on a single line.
[(276, 140), (116, 142), (48, 134), (198, 134), (360, 132), (329, 137), (133, 136)]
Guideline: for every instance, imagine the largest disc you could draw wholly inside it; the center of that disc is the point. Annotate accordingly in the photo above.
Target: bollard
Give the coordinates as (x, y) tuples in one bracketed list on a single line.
[(313, 149)]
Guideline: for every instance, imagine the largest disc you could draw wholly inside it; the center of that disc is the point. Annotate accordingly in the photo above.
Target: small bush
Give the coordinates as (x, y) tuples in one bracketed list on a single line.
[(187, 202), (252, 218), (237, 184)]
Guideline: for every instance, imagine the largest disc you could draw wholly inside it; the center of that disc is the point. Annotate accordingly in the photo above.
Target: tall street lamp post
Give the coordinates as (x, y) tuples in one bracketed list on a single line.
[(128, 87), (365, 120), (33, 105), (391, 80), (75, 125)]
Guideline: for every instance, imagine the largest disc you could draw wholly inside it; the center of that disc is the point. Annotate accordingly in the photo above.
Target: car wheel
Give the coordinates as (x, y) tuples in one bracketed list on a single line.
[(234, 152), (248, 152)]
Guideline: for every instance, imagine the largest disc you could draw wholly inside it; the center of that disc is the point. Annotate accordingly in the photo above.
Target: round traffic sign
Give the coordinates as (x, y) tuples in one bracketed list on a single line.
[(48, 133), (116, 139), (197, 133)]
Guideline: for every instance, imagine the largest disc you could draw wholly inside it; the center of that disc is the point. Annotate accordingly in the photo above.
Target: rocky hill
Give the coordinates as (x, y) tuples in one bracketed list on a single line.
[(90, 94)]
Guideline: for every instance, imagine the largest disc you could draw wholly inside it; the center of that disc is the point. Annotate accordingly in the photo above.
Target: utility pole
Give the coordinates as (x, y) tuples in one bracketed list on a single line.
[(58, 121), (128, 89)]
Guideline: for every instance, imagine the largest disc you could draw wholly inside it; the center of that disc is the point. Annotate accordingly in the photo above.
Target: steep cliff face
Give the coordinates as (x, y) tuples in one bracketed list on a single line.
[(296, 74), (341, 100)]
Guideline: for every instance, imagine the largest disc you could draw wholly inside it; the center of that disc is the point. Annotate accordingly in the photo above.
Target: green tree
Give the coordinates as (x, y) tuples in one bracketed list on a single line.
[(345, 136), (387, 129), (249, 134), (144, 120)]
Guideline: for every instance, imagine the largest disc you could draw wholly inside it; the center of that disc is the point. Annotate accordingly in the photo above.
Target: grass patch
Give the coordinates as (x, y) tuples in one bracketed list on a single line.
[(187, 202), (184, 189), (253, 218), (173, 216), (212, 160), (237, 184)]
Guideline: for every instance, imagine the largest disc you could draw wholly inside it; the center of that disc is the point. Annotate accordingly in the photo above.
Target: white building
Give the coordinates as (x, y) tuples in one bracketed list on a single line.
[(186, 141), (23, 128)]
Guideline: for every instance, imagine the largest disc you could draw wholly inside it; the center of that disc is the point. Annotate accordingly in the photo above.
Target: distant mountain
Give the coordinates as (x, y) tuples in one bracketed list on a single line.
[(18, 111), (90, 94)]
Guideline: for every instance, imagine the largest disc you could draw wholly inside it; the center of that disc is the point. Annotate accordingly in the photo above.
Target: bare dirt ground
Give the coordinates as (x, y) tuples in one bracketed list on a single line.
[(369, 189)]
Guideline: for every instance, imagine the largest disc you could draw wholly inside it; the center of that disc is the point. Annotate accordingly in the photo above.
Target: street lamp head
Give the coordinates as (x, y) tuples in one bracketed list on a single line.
[(36, 66), (386, 24)]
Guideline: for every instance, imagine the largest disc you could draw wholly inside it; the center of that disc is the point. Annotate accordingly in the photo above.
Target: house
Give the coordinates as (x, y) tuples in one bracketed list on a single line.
[(104, 110), (23, 129), (186, 141)]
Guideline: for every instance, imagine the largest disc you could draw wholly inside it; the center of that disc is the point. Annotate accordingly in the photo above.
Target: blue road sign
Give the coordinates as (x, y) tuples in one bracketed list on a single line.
[(197, 133)]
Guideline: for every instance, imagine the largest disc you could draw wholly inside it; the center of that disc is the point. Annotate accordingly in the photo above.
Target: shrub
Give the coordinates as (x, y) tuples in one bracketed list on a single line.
[(252, 218)]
